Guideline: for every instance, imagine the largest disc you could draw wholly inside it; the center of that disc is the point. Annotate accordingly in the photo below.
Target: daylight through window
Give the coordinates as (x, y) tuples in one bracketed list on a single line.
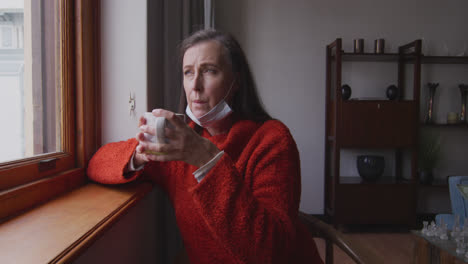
[(29, 79)]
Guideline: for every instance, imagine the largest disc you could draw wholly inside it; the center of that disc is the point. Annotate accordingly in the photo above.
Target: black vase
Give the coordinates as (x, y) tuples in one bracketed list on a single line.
[(392, 92), (345, 92), (370, 167), (426, 177)]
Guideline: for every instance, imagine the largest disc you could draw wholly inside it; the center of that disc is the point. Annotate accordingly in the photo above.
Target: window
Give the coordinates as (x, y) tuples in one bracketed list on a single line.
[(29, 77), (49, 83), (32, 77)]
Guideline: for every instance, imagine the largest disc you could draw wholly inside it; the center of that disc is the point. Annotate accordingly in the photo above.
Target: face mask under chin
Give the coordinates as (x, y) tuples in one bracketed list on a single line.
[(218, 112)]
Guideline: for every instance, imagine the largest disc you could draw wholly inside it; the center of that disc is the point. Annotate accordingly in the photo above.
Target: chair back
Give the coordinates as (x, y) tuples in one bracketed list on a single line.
[(458, 202), (359, 253)]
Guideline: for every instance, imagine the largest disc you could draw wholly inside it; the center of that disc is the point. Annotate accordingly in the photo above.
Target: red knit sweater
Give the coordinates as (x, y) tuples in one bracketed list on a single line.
[(245, 210)]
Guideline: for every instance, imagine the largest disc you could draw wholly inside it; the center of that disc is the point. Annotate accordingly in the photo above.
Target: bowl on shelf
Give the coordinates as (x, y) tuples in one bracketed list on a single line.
[(370, 167)]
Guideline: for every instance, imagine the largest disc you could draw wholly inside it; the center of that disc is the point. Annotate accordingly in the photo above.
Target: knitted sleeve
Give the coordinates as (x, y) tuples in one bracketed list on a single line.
[(109, 163), (253, 213)]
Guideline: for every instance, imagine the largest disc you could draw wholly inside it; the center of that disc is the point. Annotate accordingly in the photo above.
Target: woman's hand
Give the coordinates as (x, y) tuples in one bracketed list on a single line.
[(140, 157), (184, 143)]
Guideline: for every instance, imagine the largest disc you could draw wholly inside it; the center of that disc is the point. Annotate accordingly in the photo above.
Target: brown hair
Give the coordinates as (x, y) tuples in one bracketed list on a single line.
[(246, 103)]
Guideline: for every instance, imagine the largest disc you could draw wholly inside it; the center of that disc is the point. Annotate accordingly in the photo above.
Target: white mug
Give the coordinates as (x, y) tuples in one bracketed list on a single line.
[(159, 123)]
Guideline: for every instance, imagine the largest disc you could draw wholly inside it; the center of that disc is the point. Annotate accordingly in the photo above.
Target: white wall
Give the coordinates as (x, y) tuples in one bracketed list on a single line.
[(134, 238), (123, 64), (285, 43)]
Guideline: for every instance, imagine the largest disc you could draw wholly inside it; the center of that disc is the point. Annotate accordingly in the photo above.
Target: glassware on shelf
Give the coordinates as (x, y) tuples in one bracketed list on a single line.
[(456, 228), (460, 246), (443, 232), (465, 225), (425, 226), (463, 93), (430, 105), (432, 230)]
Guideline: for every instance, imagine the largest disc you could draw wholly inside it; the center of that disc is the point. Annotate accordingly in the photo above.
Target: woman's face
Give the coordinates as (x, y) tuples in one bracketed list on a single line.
[(207, 76)]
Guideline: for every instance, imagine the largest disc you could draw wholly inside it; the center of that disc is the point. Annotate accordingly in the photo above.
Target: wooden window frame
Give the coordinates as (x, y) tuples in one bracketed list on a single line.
[(28, 182)]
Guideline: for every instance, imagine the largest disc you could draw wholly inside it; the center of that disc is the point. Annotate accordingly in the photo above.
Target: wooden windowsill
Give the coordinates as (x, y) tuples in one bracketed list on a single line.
[(61, 229)]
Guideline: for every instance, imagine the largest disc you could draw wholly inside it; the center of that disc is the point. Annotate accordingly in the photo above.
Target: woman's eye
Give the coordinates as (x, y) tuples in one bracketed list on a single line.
[(188, 72), (212, 71)]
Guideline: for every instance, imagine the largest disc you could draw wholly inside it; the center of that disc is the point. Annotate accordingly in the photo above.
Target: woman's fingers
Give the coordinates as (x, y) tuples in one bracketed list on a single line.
[(140, 157), (170, 116), (141, 121), (162, 158), (156, 148), (148, 129), (184, 143), (140, 136), (140, 149)]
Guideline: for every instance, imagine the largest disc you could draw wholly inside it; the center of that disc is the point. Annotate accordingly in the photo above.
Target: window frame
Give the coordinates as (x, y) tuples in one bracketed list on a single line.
[(27, 182)]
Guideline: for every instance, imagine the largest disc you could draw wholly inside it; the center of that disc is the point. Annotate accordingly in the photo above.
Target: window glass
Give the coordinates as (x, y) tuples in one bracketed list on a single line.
[(29, 79)]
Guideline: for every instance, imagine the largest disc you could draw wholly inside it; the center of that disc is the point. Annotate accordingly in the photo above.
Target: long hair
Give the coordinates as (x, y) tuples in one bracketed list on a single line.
[(246, 103)]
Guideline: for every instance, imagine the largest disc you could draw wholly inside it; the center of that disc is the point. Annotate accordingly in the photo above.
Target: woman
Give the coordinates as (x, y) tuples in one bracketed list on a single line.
[(232, 174)]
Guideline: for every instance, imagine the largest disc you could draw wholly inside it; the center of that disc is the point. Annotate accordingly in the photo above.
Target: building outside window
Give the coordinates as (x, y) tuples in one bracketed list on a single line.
[(29, 101)]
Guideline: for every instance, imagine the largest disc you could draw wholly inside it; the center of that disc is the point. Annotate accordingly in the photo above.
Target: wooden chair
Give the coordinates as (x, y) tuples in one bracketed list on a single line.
[(355, 251)]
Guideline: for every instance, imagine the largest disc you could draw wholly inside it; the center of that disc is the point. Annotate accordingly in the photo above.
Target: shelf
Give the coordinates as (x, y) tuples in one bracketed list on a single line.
[(438, 183), (460, 125), (360, 181), (371, 57), (383, 100), (409, 58), (444, 60)]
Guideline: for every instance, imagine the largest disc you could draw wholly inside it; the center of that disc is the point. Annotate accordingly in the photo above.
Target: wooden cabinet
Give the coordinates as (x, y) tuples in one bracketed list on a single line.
[(384, 202), (372, 124), (377, 124)]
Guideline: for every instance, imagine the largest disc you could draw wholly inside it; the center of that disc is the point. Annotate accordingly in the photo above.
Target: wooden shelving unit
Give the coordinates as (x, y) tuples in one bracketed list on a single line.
[(458, 125), (444, 60), (371, 124)]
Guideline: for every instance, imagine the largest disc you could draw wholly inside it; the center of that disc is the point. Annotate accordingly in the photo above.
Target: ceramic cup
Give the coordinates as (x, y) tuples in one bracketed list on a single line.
[(159, 123)]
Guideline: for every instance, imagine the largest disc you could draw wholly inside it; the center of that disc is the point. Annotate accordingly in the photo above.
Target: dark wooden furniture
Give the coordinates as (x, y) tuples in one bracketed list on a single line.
[(439, 187), (355, 251), (372, 124)]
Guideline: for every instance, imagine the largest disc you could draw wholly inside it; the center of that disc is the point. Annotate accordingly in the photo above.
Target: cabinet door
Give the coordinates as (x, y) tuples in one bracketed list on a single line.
[(375, 204), (382, 124)]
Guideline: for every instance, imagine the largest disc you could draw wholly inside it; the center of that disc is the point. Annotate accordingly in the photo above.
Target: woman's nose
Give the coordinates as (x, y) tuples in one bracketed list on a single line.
[(197, 82)]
